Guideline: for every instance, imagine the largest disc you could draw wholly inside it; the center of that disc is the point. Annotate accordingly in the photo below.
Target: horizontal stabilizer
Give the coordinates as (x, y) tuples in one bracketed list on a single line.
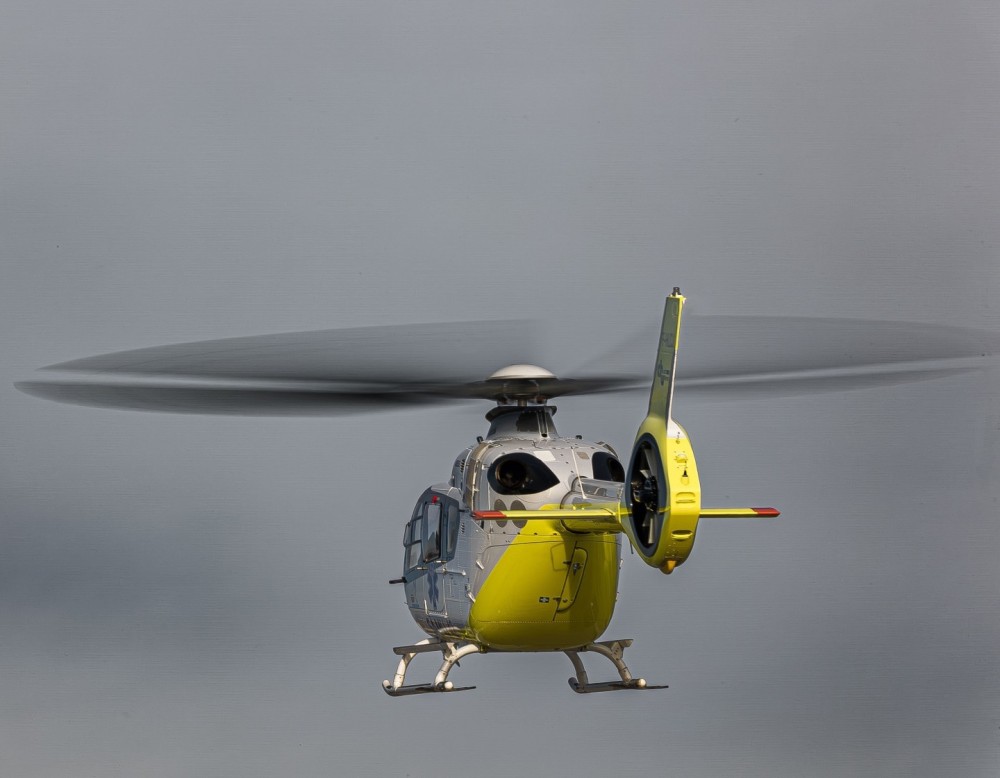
[(739, 513), (547, 514), (588, 519)]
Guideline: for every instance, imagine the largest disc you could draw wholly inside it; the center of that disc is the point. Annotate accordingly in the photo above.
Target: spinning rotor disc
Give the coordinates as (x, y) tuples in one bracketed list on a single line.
[(346, 371)]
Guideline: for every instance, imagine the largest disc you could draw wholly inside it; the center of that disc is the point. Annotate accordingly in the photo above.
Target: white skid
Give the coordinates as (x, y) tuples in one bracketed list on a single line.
[(613, 650), (451, 654)]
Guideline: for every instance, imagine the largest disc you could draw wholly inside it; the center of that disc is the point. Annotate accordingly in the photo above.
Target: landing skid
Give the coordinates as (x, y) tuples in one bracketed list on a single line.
[(614, 651), (451, 653)]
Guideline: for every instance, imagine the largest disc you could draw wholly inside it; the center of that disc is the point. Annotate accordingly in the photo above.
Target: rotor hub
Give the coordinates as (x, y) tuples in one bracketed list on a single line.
[(521, 372), (521, 384), (646, 491)]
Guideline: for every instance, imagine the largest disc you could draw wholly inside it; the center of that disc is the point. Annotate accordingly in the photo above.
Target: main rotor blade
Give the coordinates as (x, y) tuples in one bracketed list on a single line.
[(716, 346), (334, 372), (288, 398), (747, 356), (247, 399), (797, 383), (397, 354)]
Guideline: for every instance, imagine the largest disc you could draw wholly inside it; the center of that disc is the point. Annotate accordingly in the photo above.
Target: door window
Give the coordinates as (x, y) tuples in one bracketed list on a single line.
[(450, 529), (432, 531), (412, 541), (412, 537)]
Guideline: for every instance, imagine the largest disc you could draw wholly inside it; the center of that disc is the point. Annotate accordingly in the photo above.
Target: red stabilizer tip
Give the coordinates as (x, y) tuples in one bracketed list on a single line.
[(766, 511)]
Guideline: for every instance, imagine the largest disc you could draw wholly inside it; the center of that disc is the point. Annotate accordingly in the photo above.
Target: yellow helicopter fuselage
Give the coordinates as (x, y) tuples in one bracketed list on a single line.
[(580, 572), (511, 584)]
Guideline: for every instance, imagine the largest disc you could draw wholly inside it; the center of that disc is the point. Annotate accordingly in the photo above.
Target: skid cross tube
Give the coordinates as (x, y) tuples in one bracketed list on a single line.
[(451, 654)]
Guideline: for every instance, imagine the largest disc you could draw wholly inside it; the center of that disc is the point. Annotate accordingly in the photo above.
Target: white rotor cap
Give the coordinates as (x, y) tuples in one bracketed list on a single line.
[(520, 373)]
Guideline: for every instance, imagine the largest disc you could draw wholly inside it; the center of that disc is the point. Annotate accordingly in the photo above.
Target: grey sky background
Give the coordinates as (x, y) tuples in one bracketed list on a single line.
[(207, 596)]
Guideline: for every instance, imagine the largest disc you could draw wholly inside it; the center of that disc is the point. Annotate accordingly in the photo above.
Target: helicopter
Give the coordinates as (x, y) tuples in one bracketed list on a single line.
[(520, 550)]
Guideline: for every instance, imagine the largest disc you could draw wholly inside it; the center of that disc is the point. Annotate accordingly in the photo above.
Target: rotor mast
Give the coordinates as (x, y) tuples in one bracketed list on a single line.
[(521, 410)]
